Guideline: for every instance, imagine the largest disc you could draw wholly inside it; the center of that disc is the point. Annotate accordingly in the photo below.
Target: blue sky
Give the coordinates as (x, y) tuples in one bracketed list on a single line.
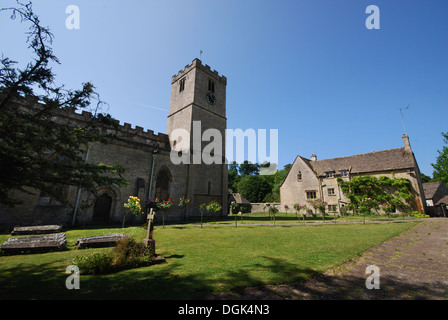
[(309, 68)]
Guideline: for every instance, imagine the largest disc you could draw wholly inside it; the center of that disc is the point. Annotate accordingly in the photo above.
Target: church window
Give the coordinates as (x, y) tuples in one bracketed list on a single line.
[(211, 85), (181, 85), (311, 195)]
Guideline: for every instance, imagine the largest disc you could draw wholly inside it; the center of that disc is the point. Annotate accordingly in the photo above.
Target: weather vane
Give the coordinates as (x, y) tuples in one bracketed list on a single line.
[(402, 119)]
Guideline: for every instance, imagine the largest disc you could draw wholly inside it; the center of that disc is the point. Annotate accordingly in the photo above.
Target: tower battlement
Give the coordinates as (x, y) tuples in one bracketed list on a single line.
[(198, 64)]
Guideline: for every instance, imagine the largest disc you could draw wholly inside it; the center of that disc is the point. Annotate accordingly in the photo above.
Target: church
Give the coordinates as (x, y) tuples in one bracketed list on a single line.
[(198, 96)]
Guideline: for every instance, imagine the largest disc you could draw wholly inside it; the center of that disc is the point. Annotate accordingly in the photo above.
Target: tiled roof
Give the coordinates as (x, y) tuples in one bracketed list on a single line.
[(430, 189), (376, 161), (239, 198)]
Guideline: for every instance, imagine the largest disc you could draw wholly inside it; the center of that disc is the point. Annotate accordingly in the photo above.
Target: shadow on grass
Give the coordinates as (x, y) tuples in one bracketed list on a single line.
[(313, 285), (166, 282), (158, 282)]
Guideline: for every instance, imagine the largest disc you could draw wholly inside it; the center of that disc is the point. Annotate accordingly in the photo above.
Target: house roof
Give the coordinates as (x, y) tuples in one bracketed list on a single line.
[(436, 191), (239, 198), (443, 200), (430, 188), (376, 161)]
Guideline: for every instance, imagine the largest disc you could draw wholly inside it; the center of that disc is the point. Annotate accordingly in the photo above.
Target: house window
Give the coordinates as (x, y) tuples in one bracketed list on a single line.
[(311, 195), (332, 208), (344, 173), (181, 85), (329, 174), (299, 176), (211, 85), (331, 192)]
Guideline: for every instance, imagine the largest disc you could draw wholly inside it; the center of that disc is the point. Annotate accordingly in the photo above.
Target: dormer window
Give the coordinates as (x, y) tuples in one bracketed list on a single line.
[(329, 174), (181, 84), (211, 85), (344, 173)]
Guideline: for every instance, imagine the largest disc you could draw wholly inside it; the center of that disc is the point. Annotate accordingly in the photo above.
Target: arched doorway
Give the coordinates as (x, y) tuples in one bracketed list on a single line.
[(101, 209), (163, 182)]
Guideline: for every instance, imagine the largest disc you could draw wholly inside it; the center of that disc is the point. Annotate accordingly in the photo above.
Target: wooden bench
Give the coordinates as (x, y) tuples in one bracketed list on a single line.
[(33, 244), (36, 229), (107, 240)]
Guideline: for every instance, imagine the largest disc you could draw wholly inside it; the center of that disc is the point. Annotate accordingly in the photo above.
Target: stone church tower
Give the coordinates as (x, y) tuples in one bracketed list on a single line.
[(198, 112)]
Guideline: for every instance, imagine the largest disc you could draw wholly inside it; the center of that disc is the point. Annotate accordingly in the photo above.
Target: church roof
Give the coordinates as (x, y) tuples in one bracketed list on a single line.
[(376, 161)]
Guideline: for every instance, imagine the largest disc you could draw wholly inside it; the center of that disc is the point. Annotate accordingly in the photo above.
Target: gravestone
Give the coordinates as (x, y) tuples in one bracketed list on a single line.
[(36, 229), (107, 240), (32, 244)]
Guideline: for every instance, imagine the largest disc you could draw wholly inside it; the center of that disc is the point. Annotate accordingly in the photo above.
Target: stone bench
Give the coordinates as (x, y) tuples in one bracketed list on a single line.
[(36, 229), (32, 244), (107, 240)]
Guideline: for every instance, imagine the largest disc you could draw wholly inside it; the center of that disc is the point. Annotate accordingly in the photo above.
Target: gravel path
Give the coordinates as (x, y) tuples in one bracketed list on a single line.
[(411, 266)]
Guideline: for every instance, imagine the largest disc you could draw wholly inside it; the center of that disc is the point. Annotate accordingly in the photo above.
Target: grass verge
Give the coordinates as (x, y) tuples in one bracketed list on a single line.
[(199, 260)]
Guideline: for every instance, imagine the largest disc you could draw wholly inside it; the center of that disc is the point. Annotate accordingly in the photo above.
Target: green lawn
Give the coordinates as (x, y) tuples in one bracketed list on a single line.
[(213, 258)]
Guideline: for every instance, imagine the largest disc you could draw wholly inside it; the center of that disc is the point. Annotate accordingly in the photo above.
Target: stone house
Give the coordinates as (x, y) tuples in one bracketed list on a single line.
[(310, 179), (436, 195), (198, 96)]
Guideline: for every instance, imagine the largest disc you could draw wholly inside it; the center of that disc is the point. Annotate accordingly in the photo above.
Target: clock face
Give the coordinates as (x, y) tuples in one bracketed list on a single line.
[(211, 98)]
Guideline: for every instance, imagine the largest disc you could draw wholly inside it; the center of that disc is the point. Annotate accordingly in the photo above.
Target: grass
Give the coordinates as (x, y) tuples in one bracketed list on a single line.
[(199, 260)]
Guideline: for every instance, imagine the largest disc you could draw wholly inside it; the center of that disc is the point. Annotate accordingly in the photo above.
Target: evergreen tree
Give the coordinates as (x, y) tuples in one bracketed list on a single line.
[(37, 149)]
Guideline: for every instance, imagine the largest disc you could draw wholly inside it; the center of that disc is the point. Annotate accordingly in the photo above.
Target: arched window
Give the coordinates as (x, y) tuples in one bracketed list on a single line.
[(163, 183)]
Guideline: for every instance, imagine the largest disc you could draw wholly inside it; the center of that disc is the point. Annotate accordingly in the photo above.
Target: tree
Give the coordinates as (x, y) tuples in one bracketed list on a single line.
[(254, 188), (424, 178), (233, 177), (39, 147), (247, 168), (441, 166)]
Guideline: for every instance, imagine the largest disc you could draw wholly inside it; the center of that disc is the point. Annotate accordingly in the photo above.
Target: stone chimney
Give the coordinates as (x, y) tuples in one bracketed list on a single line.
[(313, 157), (407, 145)]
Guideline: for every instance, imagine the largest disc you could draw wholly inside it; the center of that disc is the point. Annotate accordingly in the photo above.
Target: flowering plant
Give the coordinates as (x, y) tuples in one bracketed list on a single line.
[(166, 204), (184, 202), (273, 209), (133, 205), (213, 207)]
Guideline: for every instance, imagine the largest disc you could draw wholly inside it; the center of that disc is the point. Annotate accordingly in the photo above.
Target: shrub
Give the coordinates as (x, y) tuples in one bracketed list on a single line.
[(128, 253), (419, 215), (95, 263)]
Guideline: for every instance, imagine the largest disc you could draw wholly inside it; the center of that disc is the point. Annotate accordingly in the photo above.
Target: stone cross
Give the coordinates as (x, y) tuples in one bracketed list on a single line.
[(150, 218), (150, 242)]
